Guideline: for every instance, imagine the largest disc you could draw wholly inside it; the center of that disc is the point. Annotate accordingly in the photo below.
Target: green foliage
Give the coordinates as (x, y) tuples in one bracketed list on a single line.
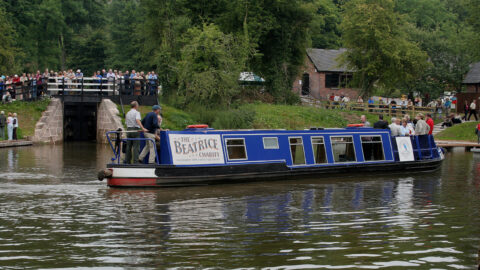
[(379, 48), (235, 119), (269, 38), (123, 37), (203, 115), (209, 67), (88, 45), (445, 38), (7, 49), (325, 25)]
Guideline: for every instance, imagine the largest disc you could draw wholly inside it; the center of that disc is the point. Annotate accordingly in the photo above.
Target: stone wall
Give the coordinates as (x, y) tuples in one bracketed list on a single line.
[(49, 129), (107, 119)]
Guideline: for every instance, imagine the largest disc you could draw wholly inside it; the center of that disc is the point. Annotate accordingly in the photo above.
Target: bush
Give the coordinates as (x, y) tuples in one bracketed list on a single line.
[(203, 115), (235, 119)]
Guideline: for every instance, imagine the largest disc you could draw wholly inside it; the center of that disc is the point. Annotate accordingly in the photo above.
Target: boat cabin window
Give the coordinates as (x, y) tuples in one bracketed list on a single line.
[(343, 149), (319, 153), (270, 143), (236, 149), (372, 147), (296, 148)]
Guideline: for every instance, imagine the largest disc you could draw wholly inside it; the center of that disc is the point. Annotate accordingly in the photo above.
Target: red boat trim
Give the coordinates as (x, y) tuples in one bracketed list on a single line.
[(131, 182)]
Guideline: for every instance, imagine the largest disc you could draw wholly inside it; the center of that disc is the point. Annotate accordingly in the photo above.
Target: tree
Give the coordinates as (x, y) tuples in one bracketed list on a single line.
[(378, 47), (88, 51), (209, 68), (324, 28), (7, 49), (122, 52), (445, 37)]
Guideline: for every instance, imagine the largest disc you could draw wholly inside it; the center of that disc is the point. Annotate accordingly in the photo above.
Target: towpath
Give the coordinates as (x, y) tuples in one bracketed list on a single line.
[(4, 144)]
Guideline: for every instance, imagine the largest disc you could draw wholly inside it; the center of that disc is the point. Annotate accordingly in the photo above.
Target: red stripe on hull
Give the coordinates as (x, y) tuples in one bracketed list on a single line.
[(131, 182)]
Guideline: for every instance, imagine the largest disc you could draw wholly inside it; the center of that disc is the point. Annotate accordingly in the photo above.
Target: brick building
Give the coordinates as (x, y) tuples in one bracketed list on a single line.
[(472, 79), (322, 75), (472, 83)]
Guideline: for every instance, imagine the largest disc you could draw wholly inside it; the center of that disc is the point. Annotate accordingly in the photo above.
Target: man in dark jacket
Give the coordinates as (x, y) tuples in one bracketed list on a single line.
[(150, 122), (3, 123), (380, 123)]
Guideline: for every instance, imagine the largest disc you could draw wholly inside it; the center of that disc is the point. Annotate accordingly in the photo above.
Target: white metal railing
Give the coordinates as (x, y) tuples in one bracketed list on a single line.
[(79, 85), (99, 85)]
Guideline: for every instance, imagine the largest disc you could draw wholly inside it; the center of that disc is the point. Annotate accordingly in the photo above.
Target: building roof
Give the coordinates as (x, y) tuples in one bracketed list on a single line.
[(473, 76), (327, 60)]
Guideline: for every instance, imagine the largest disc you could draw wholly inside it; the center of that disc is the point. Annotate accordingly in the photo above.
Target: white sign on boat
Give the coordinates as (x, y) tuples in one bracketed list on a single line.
[(405, 149), (192, 149)]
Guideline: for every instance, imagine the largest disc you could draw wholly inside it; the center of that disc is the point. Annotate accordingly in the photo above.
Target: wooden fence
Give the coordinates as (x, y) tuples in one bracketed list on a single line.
[(386, 110)]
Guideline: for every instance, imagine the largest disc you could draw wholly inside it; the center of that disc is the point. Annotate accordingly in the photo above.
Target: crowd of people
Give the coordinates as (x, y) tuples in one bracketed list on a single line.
[(10, 122), (421, 125), (438, 106), (34, 85)]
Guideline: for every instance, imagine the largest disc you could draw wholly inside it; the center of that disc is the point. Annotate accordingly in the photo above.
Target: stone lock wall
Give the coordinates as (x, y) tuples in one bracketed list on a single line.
[(49, 129), (108, 119)]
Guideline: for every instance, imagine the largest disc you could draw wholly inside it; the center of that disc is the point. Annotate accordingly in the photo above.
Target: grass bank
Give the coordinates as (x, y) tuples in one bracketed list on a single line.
[(28, 113), (461, 132), (259, 116)]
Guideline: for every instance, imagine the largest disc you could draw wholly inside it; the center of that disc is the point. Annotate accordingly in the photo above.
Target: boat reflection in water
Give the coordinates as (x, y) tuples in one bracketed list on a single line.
[(340, 222)]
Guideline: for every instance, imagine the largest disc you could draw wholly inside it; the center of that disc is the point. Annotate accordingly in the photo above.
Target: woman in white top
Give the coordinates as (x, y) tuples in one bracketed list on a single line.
[(10, 126)]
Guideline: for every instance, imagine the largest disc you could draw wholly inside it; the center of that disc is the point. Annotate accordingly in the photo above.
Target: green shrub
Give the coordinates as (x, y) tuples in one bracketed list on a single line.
[(235, 119), (203, 115)]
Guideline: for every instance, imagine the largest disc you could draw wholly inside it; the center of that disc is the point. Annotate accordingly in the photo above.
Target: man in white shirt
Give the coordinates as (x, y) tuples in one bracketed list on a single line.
[(395, 128), (134, 127), (473, 110)]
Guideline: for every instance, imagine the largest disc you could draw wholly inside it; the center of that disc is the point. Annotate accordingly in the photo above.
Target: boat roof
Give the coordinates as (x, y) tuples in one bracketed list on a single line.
[(281, 131)]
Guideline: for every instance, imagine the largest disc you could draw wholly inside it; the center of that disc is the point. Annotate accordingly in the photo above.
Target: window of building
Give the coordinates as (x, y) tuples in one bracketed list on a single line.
[(332, 80), (343, 149), (319, 153), (236, 149), (270, 143), (306, 84), (296, 148), (345, 80), (336, 80), (372, 147)]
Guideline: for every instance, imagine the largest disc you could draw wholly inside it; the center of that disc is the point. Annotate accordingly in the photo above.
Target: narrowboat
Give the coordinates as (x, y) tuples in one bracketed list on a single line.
[(200, 155)]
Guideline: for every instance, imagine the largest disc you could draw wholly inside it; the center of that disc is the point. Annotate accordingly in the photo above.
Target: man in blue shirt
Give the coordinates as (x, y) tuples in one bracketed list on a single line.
[(150, 122), (371, 103), (152, 79), (448, 105)]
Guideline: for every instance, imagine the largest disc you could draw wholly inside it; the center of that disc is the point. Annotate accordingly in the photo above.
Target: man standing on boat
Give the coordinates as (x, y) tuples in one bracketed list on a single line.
[(134, 126), (364, 121), (380, 123), (150, 122), (421, 127)]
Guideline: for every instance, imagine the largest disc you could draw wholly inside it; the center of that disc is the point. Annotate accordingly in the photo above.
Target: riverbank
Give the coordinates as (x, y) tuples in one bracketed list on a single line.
[(28, 115), (259, 116), (460, 132)]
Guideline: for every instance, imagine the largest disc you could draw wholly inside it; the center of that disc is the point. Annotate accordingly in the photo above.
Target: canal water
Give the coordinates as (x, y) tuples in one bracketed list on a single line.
[(55, 214)]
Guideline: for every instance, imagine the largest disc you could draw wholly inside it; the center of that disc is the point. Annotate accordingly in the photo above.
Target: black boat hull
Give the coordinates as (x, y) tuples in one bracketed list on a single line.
[(167, 176)]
